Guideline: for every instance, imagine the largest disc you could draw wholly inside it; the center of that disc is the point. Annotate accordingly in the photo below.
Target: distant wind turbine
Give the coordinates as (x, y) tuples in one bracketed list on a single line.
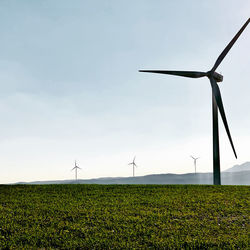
[(214, 78), (75, 167), (195, 159), (134, 165)]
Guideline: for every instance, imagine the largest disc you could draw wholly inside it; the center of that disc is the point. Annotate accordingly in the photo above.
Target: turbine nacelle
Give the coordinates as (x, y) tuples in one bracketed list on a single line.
[(218, 77)]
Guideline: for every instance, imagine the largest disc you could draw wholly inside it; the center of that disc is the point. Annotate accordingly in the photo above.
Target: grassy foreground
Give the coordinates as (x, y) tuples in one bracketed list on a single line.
[(124, 216)]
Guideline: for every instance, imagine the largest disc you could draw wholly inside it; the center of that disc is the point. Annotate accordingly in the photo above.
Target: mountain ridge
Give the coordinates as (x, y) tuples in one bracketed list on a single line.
[(227, 178), (236, 175), (239, 168)]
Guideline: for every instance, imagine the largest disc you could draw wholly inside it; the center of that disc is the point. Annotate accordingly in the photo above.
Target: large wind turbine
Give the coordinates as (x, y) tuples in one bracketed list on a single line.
[(75, 167), (214, 77), (134, 165), (195, 159)]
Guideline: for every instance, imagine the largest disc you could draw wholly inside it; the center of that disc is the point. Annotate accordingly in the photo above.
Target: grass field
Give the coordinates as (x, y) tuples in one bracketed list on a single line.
[(124, 216)]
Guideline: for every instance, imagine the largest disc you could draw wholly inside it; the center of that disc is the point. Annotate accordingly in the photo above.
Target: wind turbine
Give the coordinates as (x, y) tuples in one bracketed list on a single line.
[(195, 159), (214, 77), (134, 165), (75, 167)]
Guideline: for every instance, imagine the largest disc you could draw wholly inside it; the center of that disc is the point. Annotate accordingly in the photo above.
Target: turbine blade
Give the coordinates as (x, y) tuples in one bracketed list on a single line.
[(191, 74), (134, 159), (217, 95), (229, 46)]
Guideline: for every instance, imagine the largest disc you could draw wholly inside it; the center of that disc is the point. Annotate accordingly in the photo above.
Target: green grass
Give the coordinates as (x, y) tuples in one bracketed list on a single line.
[(124, 216)]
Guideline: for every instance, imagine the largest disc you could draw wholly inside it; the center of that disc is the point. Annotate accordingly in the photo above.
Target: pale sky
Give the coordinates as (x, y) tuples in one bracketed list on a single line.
[(70, 87)]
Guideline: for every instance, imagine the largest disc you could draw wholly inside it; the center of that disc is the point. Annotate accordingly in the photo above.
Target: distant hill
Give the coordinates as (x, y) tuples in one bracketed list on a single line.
[(227, 178), (238, 168)]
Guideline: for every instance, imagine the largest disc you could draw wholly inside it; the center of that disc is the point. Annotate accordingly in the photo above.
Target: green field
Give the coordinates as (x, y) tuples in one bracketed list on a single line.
[(124, 216)]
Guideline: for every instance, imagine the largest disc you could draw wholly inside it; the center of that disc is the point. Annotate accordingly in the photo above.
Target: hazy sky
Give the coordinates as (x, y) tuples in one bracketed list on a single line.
[(70, 87)]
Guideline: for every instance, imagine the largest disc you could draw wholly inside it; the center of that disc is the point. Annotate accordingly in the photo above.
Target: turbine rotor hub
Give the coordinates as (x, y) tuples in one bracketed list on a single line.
[(218, 77)]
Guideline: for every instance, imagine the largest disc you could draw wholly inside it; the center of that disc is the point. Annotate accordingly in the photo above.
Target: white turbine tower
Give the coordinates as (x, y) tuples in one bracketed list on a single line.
[(134, 165), (75, 167), (195, 159)]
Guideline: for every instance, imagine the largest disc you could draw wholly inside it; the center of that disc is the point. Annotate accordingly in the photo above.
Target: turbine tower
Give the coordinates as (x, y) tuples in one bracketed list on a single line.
[(195, 159), (134, 165), (75, 167), (214, 78)]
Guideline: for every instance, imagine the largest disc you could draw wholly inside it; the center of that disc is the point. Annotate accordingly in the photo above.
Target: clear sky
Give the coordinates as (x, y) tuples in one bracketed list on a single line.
[(70, 87)]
